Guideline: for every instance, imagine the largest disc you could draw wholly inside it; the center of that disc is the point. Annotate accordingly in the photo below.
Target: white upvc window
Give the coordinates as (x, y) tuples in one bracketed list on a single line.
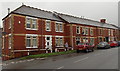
[(28, 41), (86, 30), (91, 40), (34, 24), (78, 29), (31, 41), (78, 40), (31, 23), (91, 31), (59, 27), (83, 30), (59, 41), (34, 41), (28, 23), (48, 25)]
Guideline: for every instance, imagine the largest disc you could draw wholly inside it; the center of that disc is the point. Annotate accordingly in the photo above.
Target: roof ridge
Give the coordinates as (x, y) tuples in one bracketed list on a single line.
[(79, 17), (38, 9)]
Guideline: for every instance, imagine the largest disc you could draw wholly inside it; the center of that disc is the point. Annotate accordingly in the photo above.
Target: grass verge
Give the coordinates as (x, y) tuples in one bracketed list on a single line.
[(47, 54)]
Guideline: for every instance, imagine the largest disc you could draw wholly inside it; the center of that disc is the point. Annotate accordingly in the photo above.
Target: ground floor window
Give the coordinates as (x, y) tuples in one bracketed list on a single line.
[(78, 40), (85, 40), (100, 39), (31, 41), (59, 41), (91, 40)]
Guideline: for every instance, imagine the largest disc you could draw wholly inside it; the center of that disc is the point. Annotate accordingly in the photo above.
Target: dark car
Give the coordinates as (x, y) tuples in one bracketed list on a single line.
[(118, 43), (86, 47), (103, 45), (113, 43)]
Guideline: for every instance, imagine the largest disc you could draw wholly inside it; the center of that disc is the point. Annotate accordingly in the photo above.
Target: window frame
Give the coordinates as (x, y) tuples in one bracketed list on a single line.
[(86, 30), (91, 30), (78, 29), (31, 40), (60, 38), (31, 23), (49, 25), (59, 27)]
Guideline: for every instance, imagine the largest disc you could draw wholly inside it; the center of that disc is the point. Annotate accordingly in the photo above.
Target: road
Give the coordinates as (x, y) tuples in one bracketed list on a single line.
[(99, 59)]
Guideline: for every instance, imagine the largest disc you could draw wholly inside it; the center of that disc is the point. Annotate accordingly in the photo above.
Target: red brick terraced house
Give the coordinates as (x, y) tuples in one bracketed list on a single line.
[(29, 31)]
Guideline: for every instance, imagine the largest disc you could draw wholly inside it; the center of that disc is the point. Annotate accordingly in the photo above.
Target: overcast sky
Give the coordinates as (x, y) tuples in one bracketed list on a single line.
[(90, 10)]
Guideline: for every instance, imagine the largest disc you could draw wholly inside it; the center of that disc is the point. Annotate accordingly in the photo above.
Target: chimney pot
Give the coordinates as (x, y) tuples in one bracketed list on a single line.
[(103, 20), (8, 10)]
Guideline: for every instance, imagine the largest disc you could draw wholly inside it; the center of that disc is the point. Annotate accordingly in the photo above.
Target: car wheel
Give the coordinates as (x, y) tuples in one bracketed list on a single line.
[(92, 50), (86, 50), (77, 51)]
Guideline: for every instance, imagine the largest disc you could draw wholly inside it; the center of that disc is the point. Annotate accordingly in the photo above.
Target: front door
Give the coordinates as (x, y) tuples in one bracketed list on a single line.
[(48, 43)]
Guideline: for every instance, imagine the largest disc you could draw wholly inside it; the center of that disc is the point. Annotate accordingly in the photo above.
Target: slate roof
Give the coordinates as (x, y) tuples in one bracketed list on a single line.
[(35, 12), (78, 20)]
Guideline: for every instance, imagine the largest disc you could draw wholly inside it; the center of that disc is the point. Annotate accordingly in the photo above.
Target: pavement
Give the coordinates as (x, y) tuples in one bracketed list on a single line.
[(99, 59)]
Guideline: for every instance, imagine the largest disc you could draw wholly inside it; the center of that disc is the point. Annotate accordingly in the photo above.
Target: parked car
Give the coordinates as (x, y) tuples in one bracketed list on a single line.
[(86, 47), (103, 45), (113, 43), (118, 43)]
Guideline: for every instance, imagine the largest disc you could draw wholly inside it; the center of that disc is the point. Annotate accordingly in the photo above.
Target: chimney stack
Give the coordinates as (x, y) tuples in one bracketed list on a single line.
[(8, 10), (103, 20)]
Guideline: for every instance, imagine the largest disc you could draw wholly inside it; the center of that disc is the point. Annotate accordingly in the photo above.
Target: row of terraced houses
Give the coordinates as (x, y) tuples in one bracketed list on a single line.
[(29, 31)]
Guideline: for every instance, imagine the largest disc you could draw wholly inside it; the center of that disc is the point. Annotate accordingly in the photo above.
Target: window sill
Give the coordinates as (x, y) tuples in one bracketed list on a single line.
[(60, 31), (32, 47), (59, 46), (48, 30), (30, 29), (78, 33)]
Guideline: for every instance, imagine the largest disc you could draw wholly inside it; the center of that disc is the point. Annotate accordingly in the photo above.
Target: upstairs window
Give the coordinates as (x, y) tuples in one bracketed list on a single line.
[(78, 30), (34, 24), (59, 27), (48, 25), (83, 31), (31, 23), (28, 23), (86, 30), (91, 31)]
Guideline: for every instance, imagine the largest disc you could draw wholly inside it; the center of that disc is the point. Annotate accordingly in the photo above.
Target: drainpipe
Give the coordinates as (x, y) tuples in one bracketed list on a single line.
[(42, 34), (71, 34)]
